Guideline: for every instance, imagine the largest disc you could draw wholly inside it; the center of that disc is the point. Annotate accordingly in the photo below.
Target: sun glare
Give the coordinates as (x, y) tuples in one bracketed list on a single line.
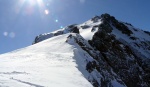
[(34, 2), (46, 12), (5, 33), (29, 6)]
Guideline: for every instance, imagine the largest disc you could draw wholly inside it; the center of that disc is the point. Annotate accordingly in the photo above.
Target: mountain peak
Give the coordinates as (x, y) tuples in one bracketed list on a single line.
[(101, 52), (106, 16), (118, 44)]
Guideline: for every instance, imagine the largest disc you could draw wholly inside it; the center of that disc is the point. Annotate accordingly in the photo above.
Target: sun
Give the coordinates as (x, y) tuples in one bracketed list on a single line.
[(29, 7), (32, 3)]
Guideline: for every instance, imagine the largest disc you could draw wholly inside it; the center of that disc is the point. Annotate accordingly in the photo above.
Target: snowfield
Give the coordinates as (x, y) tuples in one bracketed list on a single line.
[(50, 63)]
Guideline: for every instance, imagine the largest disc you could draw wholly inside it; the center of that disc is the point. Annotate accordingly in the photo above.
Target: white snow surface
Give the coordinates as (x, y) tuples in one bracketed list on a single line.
[(50, 63), (87, 33)]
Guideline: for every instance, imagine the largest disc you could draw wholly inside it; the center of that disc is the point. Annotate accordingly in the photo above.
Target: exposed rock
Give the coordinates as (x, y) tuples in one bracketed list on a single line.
[(147, 32)]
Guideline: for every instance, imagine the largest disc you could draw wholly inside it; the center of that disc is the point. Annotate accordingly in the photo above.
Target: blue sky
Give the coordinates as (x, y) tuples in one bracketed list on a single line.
[(22, 20)]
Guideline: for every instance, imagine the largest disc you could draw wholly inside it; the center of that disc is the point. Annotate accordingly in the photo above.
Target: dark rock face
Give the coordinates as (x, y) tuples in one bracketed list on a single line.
[(119, 56), (95, 19), (75, 30), (69, 29), (98, 65), (120, 26), (122, 60), (85, 26), (147, 32)]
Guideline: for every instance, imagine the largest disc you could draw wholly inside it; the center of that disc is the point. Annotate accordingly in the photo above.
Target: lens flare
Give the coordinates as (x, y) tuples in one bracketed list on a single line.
[(33, 2), (5, 33), (61, 26), (56, 20), (46, 12), (30, 6)]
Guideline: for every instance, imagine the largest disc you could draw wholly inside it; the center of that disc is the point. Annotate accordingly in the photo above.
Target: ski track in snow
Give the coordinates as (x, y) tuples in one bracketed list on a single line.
[(28, 83)]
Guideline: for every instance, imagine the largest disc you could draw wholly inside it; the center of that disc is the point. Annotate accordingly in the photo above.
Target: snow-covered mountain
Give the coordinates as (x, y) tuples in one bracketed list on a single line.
[(101, 52)]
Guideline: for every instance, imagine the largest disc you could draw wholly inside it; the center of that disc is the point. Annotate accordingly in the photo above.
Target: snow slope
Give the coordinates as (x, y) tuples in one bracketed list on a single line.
[(50, 63)]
